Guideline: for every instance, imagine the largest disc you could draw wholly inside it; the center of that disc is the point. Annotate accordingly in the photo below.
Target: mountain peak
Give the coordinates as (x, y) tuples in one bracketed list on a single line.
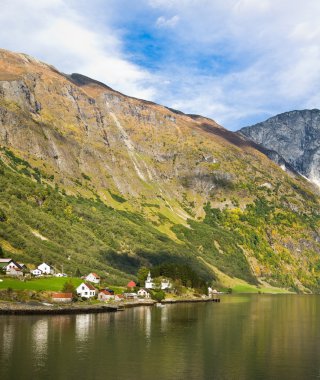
[(295, 135)]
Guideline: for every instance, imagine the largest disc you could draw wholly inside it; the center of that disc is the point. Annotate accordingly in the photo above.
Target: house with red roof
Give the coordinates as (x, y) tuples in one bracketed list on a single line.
[(86, 290), (62, 297), (131, 285), (104, 295), (93, 277)]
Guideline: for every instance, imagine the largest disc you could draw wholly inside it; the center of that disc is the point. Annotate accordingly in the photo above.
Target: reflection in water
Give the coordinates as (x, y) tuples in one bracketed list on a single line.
[(243, 337), (7, 341), (164, 318), (84, 325), (40, 340), (147, 323)]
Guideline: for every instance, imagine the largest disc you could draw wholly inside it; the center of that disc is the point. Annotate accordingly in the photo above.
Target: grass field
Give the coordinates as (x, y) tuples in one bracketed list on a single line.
[(50, 283)]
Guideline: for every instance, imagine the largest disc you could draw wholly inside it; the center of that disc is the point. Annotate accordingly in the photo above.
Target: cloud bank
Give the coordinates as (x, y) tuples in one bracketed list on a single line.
[(237, 61)]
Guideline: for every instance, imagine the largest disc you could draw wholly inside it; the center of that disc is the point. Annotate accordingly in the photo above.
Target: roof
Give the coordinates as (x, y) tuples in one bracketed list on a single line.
[(144, 290), (106, 293), (44, 264), (94, 274), (5, 262), (91, 287), (62, 295), (131, 284)]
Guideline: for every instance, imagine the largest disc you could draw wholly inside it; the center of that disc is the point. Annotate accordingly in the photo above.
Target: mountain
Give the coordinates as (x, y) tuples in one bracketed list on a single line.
[(295, 136), (93, 179)]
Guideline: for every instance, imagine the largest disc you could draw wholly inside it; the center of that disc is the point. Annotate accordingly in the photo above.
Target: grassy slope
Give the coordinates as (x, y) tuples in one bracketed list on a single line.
[(51, 283), (78, 232), (41, 223)]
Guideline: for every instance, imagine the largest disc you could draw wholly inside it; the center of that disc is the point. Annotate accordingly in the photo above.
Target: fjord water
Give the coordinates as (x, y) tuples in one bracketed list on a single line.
[(243, 337)]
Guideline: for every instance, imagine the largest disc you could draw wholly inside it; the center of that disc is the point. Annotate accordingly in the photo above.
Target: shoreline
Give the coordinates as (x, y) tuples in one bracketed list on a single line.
[(12, 308), (189, 300)]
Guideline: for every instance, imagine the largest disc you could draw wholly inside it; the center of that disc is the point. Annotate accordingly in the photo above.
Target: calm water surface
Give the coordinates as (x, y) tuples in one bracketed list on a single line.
[(243, 337)]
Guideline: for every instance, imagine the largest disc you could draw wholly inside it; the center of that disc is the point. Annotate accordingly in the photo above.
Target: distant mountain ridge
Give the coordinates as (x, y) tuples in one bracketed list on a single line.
[(295, 136)]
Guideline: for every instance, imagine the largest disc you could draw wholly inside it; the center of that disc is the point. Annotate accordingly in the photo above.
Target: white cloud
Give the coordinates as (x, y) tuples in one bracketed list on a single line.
[(163, 22), (57, 33), (234, 60), (273, 47)]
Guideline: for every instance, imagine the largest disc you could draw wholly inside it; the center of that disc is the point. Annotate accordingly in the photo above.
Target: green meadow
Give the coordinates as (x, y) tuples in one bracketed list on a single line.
[(41, 284)]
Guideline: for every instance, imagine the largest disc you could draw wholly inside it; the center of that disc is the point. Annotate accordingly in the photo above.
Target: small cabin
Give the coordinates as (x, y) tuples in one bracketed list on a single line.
[(143, 293), (104, 295), (62, 297), (93, 277), (45, 268)]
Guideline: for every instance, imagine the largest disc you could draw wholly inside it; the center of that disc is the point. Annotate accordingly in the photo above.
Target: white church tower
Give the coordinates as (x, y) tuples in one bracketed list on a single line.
[(149, 283)]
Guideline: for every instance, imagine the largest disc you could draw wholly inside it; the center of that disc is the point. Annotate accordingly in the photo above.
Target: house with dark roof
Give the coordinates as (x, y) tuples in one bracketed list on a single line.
[(11, 267), (86, 290)]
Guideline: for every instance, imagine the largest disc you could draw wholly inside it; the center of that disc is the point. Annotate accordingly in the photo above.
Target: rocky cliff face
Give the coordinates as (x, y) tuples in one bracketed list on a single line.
[(94, 140), (295, 136), (181, 180)]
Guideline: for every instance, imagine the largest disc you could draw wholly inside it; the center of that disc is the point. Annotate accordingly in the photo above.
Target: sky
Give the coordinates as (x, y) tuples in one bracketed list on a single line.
[(235, 61)]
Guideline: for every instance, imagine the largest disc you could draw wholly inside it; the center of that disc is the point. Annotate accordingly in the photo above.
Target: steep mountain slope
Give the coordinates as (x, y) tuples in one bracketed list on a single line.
[(295, 136), (114, 183)]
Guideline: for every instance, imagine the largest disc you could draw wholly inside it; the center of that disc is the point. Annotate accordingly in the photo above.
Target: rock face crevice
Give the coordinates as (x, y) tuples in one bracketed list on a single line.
[(295, 136)]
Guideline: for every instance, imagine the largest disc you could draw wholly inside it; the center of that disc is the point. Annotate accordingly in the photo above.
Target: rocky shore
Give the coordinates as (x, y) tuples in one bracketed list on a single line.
[(39, 308)]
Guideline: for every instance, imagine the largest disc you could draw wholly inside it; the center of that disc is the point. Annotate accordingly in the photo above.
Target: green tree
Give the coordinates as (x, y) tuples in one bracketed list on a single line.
[(142, 275), (78, 273), (1, 252), (158, 295), (68, 287)]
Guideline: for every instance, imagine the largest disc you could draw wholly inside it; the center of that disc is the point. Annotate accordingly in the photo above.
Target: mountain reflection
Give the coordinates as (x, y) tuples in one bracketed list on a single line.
[(243, 337)]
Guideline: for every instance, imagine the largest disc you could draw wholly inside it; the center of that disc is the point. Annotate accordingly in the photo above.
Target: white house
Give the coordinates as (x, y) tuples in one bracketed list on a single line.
[(11, 267), (14, 271), (45, 268), (104, 295), (93, 277), (143, 293), (149, 282), (86, 290), (165, 284), (212, 292), (60, 275), (36, 272)]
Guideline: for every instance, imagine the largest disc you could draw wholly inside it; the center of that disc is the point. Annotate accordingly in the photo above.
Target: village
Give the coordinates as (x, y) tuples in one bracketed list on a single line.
[(90, 287)]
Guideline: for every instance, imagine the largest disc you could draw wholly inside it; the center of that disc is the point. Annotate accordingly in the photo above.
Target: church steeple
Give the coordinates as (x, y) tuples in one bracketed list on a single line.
[(149, 284)]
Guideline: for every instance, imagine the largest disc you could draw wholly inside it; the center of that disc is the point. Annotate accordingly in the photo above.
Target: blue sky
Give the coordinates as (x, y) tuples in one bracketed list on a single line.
[(236, 61)]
